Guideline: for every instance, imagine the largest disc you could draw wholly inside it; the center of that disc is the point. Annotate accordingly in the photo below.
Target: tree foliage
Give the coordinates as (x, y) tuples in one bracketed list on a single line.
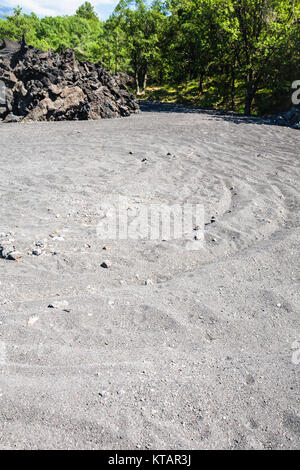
[(240, 52)]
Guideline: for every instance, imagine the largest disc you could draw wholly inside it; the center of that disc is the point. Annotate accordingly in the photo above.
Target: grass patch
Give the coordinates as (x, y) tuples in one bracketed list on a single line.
[(188, 94)]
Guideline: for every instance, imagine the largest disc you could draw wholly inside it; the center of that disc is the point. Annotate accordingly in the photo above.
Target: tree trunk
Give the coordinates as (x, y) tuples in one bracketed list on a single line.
[(144, 83), (250, 94), (232, 87), (249, 100), (137, 85)]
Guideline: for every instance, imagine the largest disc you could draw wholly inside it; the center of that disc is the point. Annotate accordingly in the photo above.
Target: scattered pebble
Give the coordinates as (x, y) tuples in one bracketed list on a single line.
[(37, 252), (106, 264), (148, 282), (106, 248), (32, 321), (56, 236), (14, 256), (5, 249), (250, 380), (61, 304)]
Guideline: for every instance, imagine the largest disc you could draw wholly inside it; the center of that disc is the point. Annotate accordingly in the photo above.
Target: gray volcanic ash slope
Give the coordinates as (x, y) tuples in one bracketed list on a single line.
[(46, 86), (147, 344)]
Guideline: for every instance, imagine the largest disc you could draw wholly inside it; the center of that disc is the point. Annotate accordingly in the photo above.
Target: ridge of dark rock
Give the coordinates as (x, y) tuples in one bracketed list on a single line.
[(47, 86)]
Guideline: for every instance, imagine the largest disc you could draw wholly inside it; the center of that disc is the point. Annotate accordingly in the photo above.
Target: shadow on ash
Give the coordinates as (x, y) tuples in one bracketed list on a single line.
[(47, 86)]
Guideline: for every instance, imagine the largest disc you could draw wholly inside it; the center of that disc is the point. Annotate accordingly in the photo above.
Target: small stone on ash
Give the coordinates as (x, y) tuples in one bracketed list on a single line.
[(14, 256), (60, 304), (106, 264)]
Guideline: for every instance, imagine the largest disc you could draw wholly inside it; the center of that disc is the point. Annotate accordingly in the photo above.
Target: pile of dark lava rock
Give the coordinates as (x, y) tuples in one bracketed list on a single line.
[(289, 118), (46, 86)]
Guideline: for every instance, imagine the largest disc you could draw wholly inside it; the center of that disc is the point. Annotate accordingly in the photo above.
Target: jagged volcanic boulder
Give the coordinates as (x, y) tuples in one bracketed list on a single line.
[(289, 118), (46, 86)]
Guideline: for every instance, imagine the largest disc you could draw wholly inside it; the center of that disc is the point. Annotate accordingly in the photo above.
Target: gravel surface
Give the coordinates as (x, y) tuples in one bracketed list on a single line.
[(135, 344)]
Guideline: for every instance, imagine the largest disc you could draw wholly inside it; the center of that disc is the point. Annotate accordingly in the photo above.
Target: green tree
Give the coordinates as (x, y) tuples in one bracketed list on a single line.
[(87, 12), (261, 28), (142, 25), (238, 53)]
